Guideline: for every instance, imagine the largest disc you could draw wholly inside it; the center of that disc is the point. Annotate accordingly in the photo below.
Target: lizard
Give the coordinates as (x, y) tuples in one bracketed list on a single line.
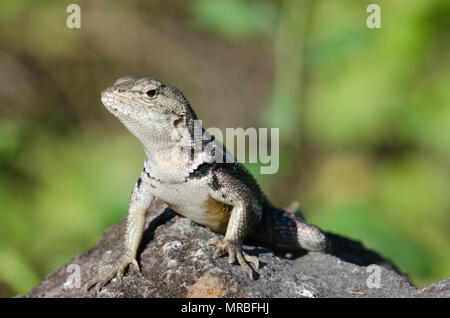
[(219, 194)]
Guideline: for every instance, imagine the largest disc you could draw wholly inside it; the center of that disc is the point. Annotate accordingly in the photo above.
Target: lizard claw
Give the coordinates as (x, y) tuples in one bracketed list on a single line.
[(235, 252), (107, 272)]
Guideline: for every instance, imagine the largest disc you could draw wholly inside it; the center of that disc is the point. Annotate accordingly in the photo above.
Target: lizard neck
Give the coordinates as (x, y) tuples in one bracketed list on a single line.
[(173, 156)]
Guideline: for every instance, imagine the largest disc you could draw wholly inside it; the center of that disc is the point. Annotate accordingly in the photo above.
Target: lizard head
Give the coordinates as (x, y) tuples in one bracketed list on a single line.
[(147, 94), (149, 108)]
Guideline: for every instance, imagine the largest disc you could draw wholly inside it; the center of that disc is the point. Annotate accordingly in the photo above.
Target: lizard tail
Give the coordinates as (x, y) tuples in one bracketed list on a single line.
[(285, 231)]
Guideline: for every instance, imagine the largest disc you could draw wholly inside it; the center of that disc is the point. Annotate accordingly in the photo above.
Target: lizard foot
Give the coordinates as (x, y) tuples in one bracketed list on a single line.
[(235, 252), (108, 271)]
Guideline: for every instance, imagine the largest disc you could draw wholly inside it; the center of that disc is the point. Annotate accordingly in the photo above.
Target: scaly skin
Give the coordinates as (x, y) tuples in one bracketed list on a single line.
[(222, 196)]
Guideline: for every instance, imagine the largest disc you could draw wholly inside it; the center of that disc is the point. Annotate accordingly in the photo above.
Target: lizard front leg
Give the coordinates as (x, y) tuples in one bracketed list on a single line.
[(140, 201), (243, 219)]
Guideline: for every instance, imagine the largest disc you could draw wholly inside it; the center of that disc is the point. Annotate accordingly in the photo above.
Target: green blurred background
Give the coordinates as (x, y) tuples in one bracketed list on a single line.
[(364, 117)]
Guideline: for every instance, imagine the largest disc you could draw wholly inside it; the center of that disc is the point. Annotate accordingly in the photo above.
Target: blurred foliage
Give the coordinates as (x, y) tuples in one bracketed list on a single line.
[(364, 117), (234, 18)]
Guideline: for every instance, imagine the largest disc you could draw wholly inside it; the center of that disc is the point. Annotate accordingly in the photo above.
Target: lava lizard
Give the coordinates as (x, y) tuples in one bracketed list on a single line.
[(222, 196)]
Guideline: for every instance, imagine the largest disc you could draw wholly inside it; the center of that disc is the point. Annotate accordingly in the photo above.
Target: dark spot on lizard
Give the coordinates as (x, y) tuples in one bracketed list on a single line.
[(207, 145), (215, 182), (178, 122), (201, 171), (147, 173)]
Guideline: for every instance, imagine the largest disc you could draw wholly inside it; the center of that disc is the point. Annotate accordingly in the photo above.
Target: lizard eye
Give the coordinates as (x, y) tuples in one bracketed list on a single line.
[(151, 93)]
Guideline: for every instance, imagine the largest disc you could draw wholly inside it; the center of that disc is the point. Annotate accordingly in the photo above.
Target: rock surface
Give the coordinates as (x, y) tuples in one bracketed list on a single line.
[(177, 262)]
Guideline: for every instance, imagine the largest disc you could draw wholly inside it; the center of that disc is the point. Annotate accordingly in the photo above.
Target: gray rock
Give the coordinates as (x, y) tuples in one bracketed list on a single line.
[(176, 261)]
